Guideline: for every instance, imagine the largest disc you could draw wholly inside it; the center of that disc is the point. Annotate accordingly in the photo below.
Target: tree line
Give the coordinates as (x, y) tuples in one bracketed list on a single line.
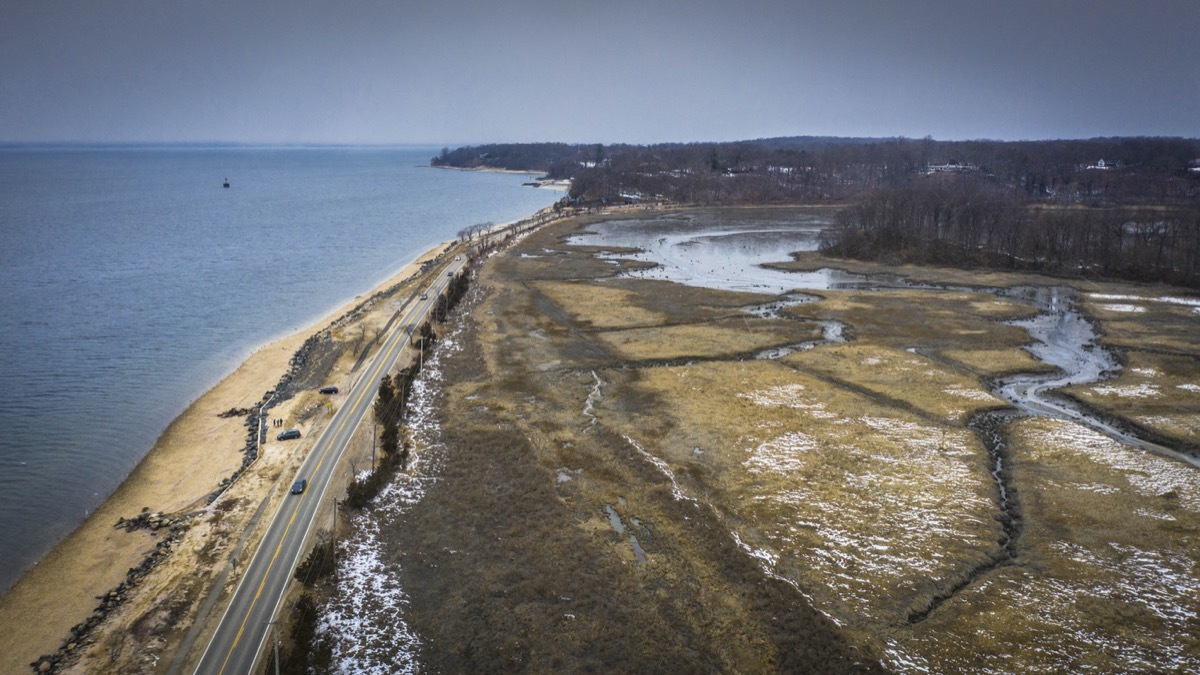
[(970, 228), (392, 399), (821, 169), (302, 649), (1105, 207)]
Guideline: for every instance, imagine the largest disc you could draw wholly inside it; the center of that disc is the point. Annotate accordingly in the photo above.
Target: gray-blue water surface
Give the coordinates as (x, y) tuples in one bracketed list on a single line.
[(719, 248), (131, 281)]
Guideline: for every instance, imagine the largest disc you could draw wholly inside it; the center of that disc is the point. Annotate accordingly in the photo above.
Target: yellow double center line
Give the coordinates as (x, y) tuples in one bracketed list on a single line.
[(379, 363)]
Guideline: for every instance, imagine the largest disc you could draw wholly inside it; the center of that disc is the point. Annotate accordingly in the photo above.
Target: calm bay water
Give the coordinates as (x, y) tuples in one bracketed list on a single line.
[(131, 282)]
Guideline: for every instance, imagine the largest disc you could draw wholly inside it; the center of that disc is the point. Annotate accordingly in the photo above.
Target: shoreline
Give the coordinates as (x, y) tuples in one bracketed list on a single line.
[(188, 461), (561, 184)]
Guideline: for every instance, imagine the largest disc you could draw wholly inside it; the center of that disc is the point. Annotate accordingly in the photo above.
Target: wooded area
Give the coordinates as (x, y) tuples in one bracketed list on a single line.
[(1112, 207), (965, 228)]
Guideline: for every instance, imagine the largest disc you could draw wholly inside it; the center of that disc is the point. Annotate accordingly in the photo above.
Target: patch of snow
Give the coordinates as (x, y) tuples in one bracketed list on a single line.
[(589, 406), (1151, 475), (1128, 390), (1098, 488), (665, 468), (1156, 515), (791, 396), (781, 454), (874, 529), (1168, 299), (766, 559), (765, 556), (1159, 580), (1188, 387), (1128, 309), (365, 619), (1189, 302), (971, 394), (903, 661)]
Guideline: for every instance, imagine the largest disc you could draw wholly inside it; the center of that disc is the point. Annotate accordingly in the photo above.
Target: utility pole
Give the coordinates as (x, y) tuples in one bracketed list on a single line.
[(333, 550), (275, 632)]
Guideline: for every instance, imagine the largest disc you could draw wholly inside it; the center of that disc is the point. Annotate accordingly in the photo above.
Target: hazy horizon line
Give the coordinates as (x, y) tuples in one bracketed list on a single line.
[(14, 144)]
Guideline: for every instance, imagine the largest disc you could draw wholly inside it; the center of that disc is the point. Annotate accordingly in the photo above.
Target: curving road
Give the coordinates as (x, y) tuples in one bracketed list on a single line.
[(240, 637)]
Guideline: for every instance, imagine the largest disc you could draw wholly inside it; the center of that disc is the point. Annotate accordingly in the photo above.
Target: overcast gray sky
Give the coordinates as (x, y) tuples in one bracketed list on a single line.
[(469, 71)]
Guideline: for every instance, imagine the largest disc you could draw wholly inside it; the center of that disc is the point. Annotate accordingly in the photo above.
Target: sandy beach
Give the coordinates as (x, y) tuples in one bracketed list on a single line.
[(193, 455)]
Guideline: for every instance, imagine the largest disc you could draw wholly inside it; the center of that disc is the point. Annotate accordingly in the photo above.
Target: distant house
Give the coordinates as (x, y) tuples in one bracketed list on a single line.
[(1194, 166), (951, 167), (1102, 165)]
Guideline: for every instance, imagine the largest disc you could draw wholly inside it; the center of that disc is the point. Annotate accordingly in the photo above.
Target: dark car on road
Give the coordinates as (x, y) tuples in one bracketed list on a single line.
[(328, 390), (288, 435), (299, 486)]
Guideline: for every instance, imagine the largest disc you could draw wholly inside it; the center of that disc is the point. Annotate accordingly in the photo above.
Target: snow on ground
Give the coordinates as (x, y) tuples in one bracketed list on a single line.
[(780, 454), (1064, 636), (1150, 474), (790, 396), (1129, 390), (1130, 309), (1188, 424), (1188, 387), (365, 619), (1098, 488), (1170, 300), (970, 394), (866, 505), (1157, 579), (676, 491), (1114, 596), (879, 526)]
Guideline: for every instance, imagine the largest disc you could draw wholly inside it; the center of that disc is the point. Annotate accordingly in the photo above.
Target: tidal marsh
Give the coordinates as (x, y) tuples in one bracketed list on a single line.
[(836, 508)]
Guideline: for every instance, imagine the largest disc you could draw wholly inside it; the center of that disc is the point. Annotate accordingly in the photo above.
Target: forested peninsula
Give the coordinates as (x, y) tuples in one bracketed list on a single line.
[(1115, 208)]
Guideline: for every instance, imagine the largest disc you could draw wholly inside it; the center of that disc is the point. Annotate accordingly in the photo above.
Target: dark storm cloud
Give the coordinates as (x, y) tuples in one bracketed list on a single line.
[(386, 71)]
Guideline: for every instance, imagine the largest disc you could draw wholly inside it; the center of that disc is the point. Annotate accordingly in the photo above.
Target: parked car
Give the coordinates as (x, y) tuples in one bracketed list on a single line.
[(299, 486), (328, 390), (288, 435)]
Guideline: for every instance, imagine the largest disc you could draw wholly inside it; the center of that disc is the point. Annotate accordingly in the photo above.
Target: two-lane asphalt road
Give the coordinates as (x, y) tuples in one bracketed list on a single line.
[(239, 639)]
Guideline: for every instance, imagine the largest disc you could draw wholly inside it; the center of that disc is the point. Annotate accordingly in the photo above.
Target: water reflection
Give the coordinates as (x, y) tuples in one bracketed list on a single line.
[(708, 249)]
